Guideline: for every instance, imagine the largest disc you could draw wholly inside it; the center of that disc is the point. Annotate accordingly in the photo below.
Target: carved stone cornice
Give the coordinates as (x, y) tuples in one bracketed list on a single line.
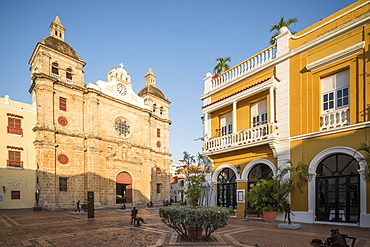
[(41, 128), (42, 144), (37, 76)]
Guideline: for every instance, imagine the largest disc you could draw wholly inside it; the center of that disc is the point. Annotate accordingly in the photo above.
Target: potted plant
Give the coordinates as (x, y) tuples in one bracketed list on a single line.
[(231, 211), (252, 212), (204, 218), (268, 196), (190, 221)]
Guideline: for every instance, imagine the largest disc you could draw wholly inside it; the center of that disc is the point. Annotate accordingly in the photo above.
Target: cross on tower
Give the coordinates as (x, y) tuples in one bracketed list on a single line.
[(121, 64)]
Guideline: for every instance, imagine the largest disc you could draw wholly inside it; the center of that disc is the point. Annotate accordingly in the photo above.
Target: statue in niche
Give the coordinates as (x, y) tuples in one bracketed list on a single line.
[(125, 150)]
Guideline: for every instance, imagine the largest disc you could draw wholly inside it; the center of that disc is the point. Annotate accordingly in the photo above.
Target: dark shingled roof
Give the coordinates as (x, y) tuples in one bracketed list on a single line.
[(152, 90), (60, 46)]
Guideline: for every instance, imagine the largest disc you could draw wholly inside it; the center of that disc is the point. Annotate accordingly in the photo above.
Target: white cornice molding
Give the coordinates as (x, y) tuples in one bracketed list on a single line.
[(18, 109), (336, 56), (331, 131), (239, 96), (314, 43), (332, 20), (348, 27)]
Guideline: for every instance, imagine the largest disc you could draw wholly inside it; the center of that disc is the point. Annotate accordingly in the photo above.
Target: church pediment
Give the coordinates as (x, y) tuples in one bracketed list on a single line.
[(119, 86)]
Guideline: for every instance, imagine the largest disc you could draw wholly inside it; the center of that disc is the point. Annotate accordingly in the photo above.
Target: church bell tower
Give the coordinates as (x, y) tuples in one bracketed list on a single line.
[(57, 87)]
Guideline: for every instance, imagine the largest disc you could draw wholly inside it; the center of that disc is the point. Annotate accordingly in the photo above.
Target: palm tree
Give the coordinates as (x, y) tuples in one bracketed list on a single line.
[(282, 23), (222, 65)]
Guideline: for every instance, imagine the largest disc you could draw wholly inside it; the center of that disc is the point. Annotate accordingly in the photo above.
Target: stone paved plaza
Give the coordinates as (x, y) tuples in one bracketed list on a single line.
[(111, 228)]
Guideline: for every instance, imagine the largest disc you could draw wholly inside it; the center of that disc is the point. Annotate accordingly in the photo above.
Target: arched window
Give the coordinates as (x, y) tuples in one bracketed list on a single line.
[(338, 189), (259, 171), (226, 183)]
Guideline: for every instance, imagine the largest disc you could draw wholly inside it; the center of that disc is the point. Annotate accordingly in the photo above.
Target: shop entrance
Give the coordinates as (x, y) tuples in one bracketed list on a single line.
[(226, 183), (338, 189)]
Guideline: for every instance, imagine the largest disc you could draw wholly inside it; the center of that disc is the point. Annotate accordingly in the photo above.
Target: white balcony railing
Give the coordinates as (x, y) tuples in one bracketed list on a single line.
[(69, 81), (249, 64), (244, 138), (56, 76), (334, 119)]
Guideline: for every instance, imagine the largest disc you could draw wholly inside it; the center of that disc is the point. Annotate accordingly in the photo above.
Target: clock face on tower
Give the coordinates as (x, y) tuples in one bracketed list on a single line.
[(121, 89)]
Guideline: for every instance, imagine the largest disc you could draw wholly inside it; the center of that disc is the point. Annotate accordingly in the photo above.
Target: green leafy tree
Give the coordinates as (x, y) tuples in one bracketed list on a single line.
[(194, 170), (299, 173), (222, 65), (282, 23)]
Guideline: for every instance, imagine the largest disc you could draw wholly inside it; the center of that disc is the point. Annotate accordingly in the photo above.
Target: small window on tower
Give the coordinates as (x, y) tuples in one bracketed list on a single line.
[(69, 74), (62, 104), (158, 132), (54, 69), (56, 33), (154, 107)]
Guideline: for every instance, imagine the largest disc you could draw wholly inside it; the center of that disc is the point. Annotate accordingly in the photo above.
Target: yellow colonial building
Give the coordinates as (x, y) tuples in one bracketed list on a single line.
[(17, 154), (100, 137), (304, 99)]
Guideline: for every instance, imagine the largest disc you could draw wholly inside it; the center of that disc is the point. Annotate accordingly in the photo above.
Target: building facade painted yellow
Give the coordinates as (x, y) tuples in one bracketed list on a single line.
[(100, 137), (17, 154), (304, 99)]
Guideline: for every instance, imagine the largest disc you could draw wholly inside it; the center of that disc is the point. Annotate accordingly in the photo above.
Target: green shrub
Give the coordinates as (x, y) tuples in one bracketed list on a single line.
[(180, 218)]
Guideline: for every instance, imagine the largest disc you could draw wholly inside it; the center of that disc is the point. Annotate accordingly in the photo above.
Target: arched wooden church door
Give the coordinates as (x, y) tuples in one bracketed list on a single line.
[(124, 188)]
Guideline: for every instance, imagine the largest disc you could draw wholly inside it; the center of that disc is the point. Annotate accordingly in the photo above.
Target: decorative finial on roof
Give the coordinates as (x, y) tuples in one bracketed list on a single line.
[(150, 78), (150, 72), (56, 29), (57, 20)]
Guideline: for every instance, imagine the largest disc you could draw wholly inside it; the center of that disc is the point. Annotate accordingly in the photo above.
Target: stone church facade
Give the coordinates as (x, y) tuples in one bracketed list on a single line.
[(100, 137)]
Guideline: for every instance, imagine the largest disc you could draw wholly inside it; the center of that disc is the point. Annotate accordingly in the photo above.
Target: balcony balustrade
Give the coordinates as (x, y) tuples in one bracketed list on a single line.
[(334, 119), (16, 131), (56, 76), (69, 81), (15, 163), (244, 138), (244, 67)]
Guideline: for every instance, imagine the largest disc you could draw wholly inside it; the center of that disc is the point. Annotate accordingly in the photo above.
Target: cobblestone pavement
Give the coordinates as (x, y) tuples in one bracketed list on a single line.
[(24, 227)]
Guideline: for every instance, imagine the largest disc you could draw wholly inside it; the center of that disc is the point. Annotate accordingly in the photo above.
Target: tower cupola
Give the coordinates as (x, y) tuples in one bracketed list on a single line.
[(150, 78), (56, 29)]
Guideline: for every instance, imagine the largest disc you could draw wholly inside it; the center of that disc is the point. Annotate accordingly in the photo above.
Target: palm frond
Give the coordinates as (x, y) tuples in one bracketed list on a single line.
[(273, 38)]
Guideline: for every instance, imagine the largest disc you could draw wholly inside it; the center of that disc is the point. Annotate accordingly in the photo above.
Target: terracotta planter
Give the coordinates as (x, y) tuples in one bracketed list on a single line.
[(269, 216), (195, 233)]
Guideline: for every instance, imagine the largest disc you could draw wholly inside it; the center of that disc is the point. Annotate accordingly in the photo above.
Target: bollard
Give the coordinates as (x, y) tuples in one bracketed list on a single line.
[(90, 205)]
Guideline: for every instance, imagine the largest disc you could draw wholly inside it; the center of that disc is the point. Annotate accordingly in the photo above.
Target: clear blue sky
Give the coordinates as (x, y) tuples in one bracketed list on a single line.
[(180, 40)]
